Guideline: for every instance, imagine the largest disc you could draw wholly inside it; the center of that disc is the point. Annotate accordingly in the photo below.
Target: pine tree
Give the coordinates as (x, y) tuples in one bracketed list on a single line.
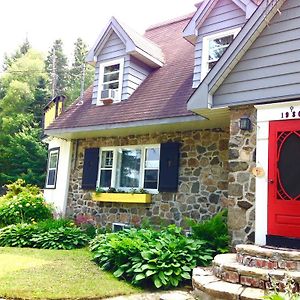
[(57, 61), (21, 50), (80, 52)]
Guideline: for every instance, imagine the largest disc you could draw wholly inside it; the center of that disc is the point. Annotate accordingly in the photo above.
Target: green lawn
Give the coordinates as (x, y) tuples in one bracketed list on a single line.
[(41, 274)]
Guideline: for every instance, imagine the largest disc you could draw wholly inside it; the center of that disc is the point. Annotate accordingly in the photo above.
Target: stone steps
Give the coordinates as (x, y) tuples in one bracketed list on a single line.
[(228, 269), (268, 258), (209, 287), (247, 274)]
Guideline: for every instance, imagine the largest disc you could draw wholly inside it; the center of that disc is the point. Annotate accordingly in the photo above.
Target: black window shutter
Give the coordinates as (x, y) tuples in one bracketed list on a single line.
[(169, 167), (90, 168)]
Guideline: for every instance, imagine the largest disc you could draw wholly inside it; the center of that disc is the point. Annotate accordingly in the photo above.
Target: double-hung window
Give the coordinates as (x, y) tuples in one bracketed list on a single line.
[(213, 48), (52, 168), (130, 167), (110, 78)]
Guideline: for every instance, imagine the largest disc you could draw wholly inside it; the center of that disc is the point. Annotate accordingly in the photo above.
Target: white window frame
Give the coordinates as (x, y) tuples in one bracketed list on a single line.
[(119, 61), (114, 179), (205, 47), (52, 151)]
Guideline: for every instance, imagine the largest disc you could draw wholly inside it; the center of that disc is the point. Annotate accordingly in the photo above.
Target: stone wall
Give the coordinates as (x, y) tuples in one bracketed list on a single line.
[(241, 182), (203, 181)]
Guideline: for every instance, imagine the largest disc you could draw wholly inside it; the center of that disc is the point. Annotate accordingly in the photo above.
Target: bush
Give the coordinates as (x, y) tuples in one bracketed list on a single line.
[(23, 203), (213, 231), (19, 235), (18, 187), (25, 208), (50, 234), (148, 257)]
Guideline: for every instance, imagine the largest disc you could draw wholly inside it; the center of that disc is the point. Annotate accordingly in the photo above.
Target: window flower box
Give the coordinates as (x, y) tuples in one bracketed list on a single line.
[(122, 197)]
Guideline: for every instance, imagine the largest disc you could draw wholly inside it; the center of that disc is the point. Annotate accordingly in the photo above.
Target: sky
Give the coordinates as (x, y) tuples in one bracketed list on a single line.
[(43, 21)]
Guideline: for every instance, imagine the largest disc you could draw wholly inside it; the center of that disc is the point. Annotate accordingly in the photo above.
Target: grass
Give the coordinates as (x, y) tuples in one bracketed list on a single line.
[(55, 274)]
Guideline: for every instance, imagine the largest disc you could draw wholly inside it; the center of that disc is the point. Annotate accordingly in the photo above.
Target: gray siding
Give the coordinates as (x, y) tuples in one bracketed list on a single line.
[(134, 71), (270, 69), (224, 16)]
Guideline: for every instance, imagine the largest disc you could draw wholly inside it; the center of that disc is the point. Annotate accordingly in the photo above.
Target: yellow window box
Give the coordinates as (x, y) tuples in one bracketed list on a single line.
[(122, 197)]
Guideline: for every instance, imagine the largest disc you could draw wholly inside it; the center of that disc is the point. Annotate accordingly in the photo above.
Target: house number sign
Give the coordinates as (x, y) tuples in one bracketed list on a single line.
[(292, 113)]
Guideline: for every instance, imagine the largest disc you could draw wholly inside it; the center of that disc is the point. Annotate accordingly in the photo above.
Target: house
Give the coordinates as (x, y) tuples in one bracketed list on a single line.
[(202, 112)]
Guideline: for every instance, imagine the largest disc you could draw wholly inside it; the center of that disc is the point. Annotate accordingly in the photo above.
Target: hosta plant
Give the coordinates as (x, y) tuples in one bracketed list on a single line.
[(147, 257)]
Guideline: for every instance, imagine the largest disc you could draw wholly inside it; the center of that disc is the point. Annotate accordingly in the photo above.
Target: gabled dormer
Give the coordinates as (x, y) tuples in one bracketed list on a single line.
[(123, 59), (212, 29)]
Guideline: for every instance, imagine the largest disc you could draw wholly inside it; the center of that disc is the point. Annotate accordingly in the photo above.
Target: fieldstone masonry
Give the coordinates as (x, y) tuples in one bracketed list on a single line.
[(203, 181), (241, 182)]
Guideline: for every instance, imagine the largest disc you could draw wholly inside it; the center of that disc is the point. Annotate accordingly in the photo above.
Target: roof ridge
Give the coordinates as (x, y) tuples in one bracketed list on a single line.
[(169, 22)]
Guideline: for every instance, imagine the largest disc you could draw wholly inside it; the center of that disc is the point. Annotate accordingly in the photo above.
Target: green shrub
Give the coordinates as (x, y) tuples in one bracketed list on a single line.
[(23, 203), (25, 208), (214, 231), (18, 187), (19, 235), (50, 234), (147, 257)]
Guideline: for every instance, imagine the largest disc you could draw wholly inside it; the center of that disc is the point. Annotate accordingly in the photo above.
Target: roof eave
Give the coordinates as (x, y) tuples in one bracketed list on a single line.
[(131, 47)]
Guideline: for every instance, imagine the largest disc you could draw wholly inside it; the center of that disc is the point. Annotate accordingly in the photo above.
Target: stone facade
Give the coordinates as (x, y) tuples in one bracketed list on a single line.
[(203, 181), (241, 182)]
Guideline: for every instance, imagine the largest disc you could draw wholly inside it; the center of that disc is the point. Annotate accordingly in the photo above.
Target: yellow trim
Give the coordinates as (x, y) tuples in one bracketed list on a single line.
[(122, 197), (50, 115)]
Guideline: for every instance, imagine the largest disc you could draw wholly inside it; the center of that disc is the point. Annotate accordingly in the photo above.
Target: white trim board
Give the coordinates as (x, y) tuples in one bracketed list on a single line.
[(265, 114)]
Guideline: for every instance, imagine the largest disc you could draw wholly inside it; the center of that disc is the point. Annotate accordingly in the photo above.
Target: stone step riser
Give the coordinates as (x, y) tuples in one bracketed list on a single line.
[(266, 263), (261, 281)]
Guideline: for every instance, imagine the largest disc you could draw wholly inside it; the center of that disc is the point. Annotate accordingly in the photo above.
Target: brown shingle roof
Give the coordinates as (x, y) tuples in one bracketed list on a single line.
[(162, 95)]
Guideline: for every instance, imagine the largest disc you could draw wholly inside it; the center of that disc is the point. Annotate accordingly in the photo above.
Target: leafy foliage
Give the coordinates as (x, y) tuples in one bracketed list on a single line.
[(289, 286), (214, 231), (23, 204), (50, 234), (144, 256), (18, 235)]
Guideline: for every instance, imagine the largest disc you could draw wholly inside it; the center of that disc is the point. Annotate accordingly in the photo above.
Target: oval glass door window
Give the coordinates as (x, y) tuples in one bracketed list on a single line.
[(289, 166)]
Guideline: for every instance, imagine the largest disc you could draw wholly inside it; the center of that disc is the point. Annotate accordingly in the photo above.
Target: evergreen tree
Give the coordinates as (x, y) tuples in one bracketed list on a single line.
[(57, 61), (74, 88), (22, 50)]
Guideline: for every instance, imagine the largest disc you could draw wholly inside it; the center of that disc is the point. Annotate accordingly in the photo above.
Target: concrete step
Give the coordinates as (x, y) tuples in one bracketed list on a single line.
[(268, 258), (226, 267), (209, 287)]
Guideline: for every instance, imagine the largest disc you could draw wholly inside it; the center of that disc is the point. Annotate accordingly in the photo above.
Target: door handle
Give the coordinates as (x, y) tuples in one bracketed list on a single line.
[(271, 181)]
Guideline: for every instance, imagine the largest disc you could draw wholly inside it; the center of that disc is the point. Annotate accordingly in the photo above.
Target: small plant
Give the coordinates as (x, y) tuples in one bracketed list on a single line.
[(214, 231), (86, 223), (145, 257), (100, 190), (19, 235), (49, 234), (287, 284)]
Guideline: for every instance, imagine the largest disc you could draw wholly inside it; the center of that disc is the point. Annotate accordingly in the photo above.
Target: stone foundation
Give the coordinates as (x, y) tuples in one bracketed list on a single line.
[(203, 181), (241, 182)]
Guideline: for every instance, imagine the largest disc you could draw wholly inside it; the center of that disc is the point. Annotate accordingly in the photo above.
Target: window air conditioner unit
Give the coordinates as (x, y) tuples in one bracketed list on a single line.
[(108, 96), (119, 226)]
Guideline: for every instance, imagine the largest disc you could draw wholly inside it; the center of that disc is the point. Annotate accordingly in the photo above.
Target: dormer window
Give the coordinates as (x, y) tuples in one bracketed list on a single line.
[(213, 48), (110, 81)]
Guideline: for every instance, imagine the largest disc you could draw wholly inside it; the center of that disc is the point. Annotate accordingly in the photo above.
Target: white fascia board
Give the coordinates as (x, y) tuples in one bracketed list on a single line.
[(131, 48), (146, 57), (199, 99), (190, 31), (146, 123), (247, 6)]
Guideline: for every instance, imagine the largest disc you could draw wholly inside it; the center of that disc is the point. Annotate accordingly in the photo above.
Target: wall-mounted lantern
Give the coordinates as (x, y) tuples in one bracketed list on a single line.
[(245, 123)]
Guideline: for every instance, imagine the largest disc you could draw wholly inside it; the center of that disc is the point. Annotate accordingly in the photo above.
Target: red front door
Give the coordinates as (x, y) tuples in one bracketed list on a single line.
[(284, 179)]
